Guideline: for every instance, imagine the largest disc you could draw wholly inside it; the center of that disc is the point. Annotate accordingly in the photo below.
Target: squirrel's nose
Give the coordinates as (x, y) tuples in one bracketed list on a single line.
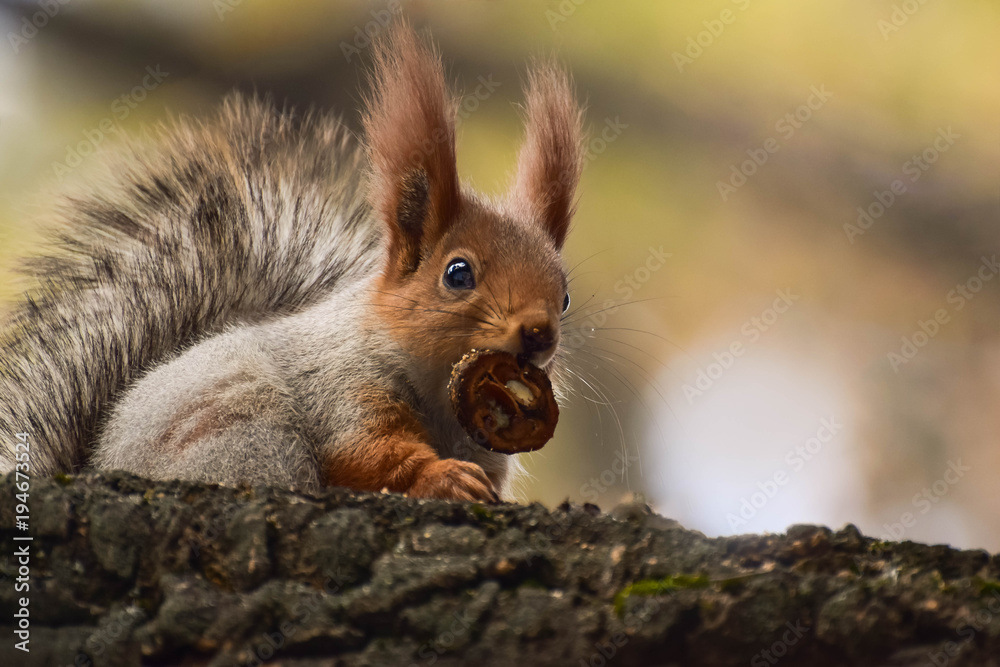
[(536, 337)]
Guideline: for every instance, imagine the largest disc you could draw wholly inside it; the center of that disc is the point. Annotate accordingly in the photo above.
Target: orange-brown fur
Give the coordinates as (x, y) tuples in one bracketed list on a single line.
[(551, 159), (389, 454), (513, 245), (393, 454), (410, 127), (327, 336)]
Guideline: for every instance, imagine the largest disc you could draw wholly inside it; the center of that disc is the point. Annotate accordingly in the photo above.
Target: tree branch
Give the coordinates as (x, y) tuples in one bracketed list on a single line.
[(124, 571)]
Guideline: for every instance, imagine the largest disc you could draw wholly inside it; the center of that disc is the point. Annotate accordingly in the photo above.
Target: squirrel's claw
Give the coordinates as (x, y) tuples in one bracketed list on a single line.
[(451, 479)]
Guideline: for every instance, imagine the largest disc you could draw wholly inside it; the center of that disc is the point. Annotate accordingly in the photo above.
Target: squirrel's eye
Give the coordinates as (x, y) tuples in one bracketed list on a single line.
[(458, 275), (566, 303)]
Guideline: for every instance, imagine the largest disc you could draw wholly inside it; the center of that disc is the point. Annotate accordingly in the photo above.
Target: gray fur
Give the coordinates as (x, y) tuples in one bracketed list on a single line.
[(221, 276)]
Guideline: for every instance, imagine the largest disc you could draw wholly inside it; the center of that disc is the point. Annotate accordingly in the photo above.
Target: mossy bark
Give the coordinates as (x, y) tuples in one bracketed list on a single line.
[(124, 571)]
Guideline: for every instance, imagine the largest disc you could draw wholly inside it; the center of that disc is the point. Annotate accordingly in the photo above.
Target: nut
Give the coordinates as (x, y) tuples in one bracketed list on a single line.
[(503, 405)]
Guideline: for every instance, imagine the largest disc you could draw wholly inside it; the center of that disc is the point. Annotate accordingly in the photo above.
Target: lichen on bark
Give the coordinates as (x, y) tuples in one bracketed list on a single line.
[(126, 571)]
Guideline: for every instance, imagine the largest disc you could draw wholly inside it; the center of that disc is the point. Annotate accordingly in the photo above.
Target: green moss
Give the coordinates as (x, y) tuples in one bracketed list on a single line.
[(881, 546), (649, 587), (986, 586), (736, 583), (531, 582), (63, 479), (481, 512), (145, 602)]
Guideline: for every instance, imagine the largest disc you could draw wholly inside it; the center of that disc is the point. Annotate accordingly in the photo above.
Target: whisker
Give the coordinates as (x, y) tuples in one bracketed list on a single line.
[(593, 336), (414, 301), (601, 390), (570, 279), (465, 299), (616, 359), (583, 396), (579, 311), (485, 312), (433, 310), (439, 329), (496, 301), (578, 308), (643, 331), (639, 367), (584, 260), (650, 380), (621, 379), (398, 296)]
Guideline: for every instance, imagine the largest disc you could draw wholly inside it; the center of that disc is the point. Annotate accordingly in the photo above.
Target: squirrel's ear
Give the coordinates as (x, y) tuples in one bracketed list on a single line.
[(551, 158), (410, 128)]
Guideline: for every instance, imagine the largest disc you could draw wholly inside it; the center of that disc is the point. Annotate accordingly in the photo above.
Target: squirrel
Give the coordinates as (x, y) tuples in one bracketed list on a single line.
[(260, 299)]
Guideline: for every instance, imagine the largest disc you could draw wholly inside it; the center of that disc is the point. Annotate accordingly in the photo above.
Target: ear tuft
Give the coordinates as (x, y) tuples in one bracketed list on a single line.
[(551, 159), (410, 127)]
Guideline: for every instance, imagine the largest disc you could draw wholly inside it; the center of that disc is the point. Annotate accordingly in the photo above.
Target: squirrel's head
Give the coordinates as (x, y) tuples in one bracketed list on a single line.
[(463, 272)]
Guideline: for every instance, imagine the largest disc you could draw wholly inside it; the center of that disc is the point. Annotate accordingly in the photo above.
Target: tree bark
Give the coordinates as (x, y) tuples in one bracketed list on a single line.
[(125, 571)]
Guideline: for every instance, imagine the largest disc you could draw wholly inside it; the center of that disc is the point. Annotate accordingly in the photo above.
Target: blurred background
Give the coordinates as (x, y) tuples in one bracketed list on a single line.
[(785, 280)]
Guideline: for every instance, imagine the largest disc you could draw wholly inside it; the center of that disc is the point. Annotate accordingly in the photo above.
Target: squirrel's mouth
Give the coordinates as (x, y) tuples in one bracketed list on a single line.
[(539, 359)]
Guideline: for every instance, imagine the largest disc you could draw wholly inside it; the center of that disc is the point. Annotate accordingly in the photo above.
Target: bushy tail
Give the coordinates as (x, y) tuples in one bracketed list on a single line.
[(256, 213)]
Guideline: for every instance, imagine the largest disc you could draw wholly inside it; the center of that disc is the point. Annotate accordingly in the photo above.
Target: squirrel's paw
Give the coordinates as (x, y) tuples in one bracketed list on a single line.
[(451, 479)]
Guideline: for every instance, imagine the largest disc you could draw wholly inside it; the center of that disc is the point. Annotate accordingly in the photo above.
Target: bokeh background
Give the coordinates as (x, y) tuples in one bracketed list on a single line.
[(785, 292)]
